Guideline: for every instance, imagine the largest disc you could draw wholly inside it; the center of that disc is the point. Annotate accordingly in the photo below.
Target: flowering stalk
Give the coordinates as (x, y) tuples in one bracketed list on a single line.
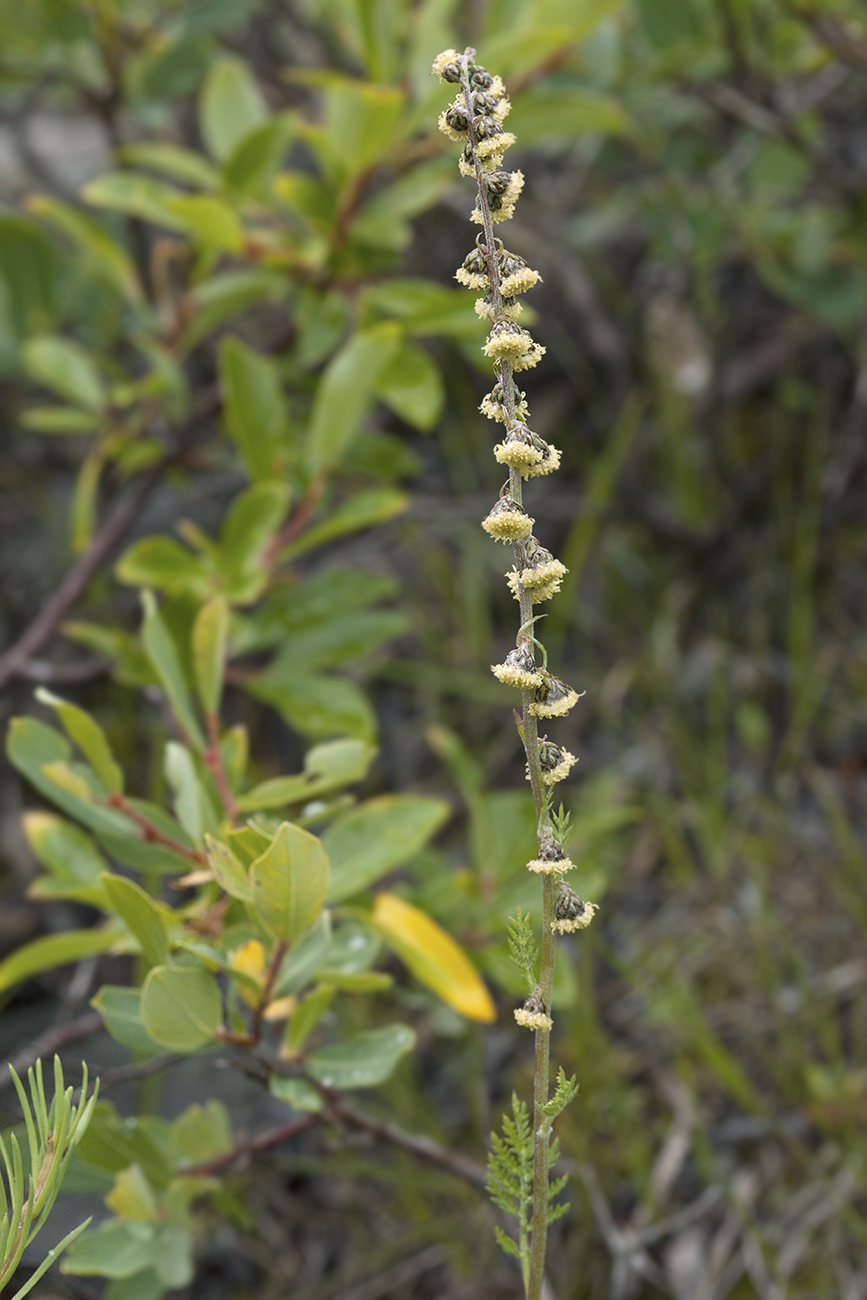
[(520, 1160)]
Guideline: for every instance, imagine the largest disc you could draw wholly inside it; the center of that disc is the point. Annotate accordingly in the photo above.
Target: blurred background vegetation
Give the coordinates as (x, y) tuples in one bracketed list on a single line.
[(224, 216)]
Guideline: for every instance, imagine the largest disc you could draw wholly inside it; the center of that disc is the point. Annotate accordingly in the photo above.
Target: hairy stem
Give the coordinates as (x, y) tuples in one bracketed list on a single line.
[(541, 1126)]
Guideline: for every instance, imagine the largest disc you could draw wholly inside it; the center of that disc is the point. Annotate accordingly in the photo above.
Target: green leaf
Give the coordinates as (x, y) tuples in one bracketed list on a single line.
[(210, 222), (254, 518), (318, 706), (163, 563), (254, 408), (114, 1249), (90, 738), (82, 512), (138, 910), (297, 1093), (32, 747), (363, 510), (361, 124), (28, 276), (143, 1286), (355, 946), (384, 833), (424, 308), (666, 22), (230, 107), (55, 950), (345, 390), (290, 881), (411, 385), (63, 366), (306, 1017), (248, 843), (230, 873), (163, 654), (202, 1132), (539, 114), (415, 192), (137, 196), (100, 253), (345, 637), (58, 419), (326, 767), (69, 779), (70, 855), (170, 160), (112, 1143), (180, 1007), (258, 156), (120, 1008), (304, 958), (363, 1060), (131, 1197), (192, 804), (210, 634)]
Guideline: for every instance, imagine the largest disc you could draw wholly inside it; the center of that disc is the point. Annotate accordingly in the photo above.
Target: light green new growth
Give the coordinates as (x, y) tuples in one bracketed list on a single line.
[(522, 1157), (52, 1135)]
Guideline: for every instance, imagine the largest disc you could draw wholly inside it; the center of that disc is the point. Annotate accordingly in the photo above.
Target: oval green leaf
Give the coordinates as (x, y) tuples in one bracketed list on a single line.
[(362, 1061), (180, 1007)]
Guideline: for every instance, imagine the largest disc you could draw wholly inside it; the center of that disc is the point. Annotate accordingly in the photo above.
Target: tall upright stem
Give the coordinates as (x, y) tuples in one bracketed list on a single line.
[(541, 1125)]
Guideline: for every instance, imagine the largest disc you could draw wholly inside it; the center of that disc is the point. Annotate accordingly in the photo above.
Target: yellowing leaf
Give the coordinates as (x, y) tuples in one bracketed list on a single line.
[(249, 959), (433, 957)]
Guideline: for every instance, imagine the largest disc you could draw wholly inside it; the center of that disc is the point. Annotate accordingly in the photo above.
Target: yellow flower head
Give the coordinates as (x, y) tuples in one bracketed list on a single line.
[(506, 521)]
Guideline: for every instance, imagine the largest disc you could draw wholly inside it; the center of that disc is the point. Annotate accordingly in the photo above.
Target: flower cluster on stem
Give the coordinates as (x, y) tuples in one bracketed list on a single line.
[(475, 120)]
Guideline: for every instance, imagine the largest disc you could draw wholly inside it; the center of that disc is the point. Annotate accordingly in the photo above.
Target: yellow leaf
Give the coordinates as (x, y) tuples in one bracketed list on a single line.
[(249, 959), (280, 1008), (433, 957)]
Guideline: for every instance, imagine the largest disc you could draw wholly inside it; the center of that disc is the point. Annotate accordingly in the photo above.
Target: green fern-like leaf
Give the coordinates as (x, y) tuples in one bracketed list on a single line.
[(510, 1165), (508, 1245), (561, 824), (565, 1091), (523, 948)]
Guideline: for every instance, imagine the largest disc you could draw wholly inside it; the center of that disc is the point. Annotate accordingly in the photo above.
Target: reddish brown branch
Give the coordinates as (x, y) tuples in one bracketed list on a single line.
[(295, 524), (213, 757), (152, 833), (277, 956)]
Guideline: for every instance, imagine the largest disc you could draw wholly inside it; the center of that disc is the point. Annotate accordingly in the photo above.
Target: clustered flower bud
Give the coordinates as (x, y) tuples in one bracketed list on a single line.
[(556, 762), (518, 669), (506, 520), (553, 699), (532, 1013), (571, 912), (493, 405), (541, 577)]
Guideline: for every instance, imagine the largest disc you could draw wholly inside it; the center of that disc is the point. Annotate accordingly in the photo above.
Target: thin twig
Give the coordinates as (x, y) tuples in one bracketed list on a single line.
[(416, 1144), (272, 1137), (73, 586), (50, 1042)]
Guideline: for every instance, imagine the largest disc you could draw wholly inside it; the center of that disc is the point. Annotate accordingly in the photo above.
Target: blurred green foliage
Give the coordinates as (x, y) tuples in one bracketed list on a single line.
[(234, 310)]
